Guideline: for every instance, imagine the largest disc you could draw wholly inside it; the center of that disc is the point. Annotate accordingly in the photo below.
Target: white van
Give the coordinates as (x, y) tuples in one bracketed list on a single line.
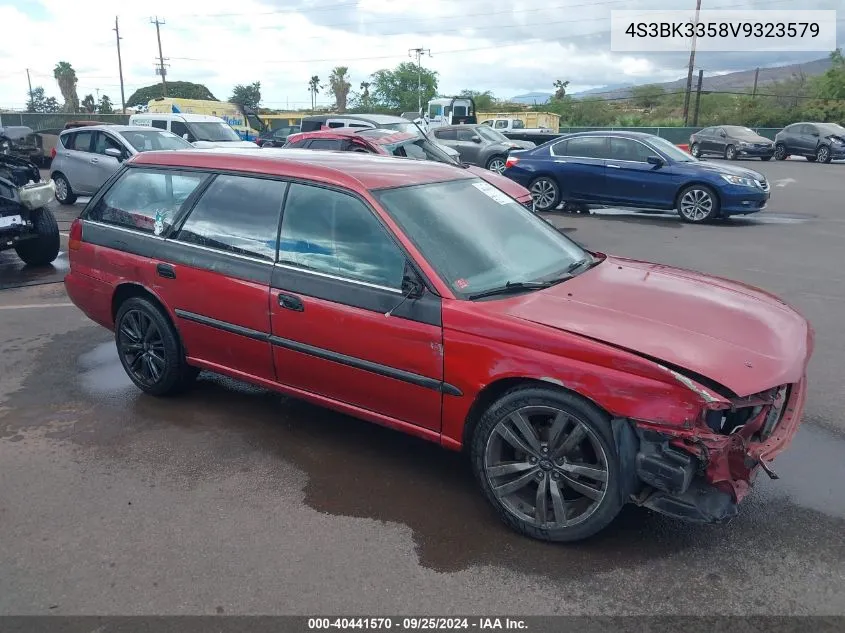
[(201, 130)]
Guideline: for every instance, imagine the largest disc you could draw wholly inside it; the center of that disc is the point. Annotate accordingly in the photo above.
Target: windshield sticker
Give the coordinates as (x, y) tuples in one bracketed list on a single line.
[(492, 192), (461, 283)]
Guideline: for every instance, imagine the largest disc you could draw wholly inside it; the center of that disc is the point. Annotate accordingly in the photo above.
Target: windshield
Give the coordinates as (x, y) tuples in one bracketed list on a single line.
[(827, 129), (671, 150), (213, 131), (419, 149), (741, 132), (254, 122), (476, 237), (151, 140), (490, 134)]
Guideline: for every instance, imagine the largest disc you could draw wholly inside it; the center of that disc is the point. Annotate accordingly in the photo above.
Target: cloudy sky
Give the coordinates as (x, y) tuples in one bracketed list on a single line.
[(509, 47)]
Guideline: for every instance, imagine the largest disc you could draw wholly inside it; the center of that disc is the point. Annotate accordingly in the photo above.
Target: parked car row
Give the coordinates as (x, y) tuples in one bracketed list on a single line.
[(820, 142)]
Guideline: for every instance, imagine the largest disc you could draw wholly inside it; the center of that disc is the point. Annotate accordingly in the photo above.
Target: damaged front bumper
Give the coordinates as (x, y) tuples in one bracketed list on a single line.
[(702, 474)]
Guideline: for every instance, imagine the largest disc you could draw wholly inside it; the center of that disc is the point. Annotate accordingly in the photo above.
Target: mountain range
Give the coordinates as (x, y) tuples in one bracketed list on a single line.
[(735, 81)]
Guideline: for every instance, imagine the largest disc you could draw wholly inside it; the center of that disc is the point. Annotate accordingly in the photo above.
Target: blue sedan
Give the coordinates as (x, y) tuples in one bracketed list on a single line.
[(632, 169)]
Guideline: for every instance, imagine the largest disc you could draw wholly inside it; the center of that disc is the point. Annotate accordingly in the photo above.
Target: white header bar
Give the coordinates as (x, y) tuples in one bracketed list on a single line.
[(722, 31)]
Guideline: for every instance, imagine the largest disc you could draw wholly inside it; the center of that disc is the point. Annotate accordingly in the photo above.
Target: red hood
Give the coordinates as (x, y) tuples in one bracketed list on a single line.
[(513, 189), (736, 335)]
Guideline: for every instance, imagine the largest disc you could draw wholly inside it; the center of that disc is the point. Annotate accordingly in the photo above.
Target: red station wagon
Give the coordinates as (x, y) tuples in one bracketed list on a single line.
[(416, 296)]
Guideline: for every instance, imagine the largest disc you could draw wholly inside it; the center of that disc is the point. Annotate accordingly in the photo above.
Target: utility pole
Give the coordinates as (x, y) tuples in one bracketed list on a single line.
[(698, 97), (161, 70), (756, 75), (116, 30), (29, 81), (419, 52), (691, 64)]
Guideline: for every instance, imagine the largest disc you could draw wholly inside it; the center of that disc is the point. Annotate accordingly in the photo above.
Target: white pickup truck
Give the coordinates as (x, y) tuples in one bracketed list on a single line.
[(515, 125), (515, 130)]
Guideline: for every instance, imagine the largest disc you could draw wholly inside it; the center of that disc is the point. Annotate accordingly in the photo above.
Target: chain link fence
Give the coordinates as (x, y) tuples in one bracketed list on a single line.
[(38, 122)]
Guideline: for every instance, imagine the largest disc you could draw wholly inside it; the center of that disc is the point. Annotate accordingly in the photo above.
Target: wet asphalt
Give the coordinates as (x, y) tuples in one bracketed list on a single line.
[(232, 499)]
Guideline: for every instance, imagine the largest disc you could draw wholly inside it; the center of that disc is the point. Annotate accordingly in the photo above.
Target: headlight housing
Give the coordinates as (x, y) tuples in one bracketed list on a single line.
[(739, 180)]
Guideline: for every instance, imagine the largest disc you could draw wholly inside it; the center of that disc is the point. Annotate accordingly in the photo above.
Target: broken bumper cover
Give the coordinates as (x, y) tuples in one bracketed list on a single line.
[(702, 476), (37, 195)]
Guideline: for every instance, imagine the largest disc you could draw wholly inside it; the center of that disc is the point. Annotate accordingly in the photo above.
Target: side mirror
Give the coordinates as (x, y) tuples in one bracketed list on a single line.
[(114, 153), (186, 136), (476, 139), (722, 134), (412, 286), (656, 160)]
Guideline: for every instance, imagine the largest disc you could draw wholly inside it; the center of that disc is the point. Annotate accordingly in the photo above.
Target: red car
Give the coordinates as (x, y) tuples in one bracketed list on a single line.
[(403, 145), (417, 296)]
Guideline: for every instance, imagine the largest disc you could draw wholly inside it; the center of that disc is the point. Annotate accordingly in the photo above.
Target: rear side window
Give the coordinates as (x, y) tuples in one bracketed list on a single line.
[(237, 214), (325, 143), (446, 135), (81, 142), (145, 200), (161, 125), (501, 125), (332, 232), (585, 147), (299, 143)]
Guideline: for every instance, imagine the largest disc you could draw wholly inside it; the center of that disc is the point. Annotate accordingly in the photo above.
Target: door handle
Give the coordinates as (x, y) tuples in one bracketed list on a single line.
[(94, 161), (291, 302), (166, 271), (615, 166)]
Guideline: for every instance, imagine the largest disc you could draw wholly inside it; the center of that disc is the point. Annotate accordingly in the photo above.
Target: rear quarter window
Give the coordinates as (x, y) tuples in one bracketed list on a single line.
[(145, 200)]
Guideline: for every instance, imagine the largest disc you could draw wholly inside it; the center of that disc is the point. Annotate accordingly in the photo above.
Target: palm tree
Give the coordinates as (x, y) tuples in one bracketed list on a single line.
[(88, 104), (314, 87), (340, 86), (66, 78), (365, 94)]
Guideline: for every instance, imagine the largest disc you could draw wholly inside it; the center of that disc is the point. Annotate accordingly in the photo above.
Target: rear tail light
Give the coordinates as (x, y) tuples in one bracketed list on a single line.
[(74, 242), (53, 153), (511, 161)]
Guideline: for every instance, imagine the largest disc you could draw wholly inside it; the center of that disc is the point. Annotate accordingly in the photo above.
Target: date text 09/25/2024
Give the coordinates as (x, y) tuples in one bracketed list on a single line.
[(417, 623)]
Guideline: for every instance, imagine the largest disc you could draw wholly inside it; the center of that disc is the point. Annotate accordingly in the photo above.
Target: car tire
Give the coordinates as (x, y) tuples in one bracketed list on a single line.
[(695, 150), (41, 250), (765, 158), (823, 154), (698, 204), (150, 349), (541, 455), (780, 152), (545, 192), (496, 164), (64, 194), (730, 152)]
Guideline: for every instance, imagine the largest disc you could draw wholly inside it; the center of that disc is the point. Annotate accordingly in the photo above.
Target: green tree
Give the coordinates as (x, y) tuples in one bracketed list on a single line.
[(105, 106), (647, 96), (484, 101), (65, 76), (37, 102), (831, 85), (248, 96), (591, 111), (339, 85), (560, 89), (178, 89), (397, 89), (314, 89), (88, 104)]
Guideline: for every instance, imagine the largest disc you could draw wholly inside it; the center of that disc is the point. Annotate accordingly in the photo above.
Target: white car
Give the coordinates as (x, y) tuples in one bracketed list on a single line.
[(201, 130)]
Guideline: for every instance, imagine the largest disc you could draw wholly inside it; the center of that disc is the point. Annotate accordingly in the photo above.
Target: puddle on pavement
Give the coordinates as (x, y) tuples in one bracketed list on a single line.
[(358, 469), (14, 273)]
